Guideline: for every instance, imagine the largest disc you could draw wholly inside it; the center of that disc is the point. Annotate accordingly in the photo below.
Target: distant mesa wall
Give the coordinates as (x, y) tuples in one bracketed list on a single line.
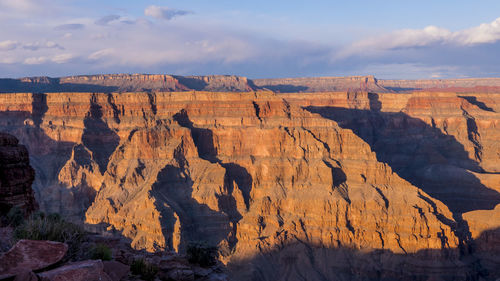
[(108, 83), (322, 84), (371, 84), (126, 83)]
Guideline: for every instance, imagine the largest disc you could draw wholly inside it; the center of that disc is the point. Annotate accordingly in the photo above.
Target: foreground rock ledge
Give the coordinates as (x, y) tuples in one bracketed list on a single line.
[(30, 255)]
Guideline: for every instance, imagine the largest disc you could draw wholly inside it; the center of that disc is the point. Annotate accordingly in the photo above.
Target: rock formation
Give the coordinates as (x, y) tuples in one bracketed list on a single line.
[(322, 84), (127, 83), (371, 84), (30, 255), (16, 176), (335, 185)]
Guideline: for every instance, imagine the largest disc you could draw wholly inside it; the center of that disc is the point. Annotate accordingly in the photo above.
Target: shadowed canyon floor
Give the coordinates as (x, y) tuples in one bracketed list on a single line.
[(315, 186)]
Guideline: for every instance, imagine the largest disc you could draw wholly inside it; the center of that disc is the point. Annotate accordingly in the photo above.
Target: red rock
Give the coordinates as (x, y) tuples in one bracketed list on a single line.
[(30, 255), (116, 270), (91, 270)]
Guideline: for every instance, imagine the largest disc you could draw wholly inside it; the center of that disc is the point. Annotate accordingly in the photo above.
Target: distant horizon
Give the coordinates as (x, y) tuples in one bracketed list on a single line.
[(251, 78)]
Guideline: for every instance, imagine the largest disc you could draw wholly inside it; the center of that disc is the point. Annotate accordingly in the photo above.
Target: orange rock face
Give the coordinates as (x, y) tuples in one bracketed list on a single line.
[(326, 185)]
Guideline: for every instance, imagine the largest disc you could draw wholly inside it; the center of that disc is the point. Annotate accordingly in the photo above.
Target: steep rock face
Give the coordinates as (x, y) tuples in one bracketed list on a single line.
[(269, 176), (16, 176)]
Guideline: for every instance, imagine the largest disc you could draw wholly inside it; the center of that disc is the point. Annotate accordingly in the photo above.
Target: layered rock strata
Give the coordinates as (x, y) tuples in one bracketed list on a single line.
[(384, 185), (16, 176)]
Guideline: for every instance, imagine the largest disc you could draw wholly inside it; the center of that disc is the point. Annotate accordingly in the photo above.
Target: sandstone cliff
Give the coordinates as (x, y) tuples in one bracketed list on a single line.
[(328, 185), (16, 176)]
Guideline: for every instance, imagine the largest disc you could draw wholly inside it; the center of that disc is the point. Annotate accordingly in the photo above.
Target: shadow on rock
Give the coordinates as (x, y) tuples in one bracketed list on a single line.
[(47, 85), (305, 261), (98, 137), (421, 154), (183, 218), (236, 176)]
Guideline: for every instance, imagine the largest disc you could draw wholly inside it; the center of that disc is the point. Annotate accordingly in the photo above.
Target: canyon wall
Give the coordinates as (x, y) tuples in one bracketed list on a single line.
[(328, 186)]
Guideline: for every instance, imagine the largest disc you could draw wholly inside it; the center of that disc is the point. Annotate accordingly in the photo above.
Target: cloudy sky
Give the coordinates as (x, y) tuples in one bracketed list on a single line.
[(294, 38)]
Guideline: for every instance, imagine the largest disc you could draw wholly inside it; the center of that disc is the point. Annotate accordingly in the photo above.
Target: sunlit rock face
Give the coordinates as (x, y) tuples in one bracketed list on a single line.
[(325, 185)]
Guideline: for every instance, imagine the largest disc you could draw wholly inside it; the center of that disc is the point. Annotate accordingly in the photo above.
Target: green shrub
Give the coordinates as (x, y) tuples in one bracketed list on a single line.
[(53, 228), (146, 270), (15, 216), (101, 252), (201, 253)]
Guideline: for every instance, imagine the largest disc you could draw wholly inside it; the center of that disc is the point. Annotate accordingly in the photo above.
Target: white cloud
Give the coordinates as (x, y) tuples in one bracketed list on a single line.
[(62, 58), (429, 36), (125, 43), (485, 33), (165, 13), (34, 46), (101, 54), (36, 60), (8, 45)]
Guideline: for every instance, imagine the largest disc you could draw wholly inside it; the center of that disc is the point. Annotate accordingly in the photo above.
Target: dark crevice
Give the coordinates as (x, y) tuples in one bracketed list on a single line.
[(420, 154), (325, 145), (152, 102), (204, 142), (386, 201), (116, 111), (98, 137), (339, 179), (257, 110), (287, 109), (39, 105), (473, 134), (479, 104)]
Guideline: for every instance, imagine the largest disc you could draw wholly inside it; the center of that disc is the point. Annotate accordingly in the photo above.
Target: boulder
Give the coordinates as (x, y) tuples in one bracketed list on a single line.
[(30, 255), (90, 270)]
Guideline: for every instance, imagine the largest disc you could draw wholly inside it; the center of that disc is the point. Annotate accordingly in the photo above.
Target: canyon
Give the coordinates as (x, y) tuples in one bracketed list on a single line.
[(349, 178)]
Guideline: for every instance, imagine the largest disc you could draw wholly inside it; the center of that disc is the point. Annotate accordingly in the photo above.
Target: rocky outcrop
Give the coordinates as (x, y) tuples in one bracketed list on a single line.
[(16, 176), (92, 270), (289, 185), (30, 255)]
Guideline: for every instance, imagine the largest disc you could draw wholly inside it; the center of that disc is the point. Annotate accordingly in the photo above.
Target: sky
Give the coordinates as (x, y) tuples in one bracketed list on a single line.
[(258, 39)]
